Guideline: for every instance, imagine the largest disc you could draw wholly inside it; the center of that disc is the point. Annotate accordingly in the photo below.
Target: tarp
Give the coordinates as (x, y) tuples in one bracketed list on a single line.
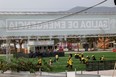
[(41, 24)]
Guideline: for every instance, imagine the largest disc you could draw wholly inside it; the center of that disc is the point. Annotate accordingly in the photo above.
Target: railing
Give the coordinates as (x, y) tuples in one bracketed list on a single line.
[(100, 65)]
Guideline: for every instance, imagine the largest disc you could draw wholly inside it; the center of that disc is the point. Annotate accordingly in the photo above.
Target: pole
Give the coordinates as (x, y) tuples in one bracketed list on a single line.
[(40, 72), (81, 72), (114, 70), (66, 73), (104, 43), (98, 71), (28, 48), (65, 38), (75, 71), (7, 50)]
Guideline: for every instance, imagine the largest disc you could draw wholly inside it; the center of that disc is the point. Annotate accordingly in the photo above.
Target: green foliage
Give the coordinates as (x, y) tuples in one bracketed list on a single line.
[(23, 64), (4, 66), (46, 66)]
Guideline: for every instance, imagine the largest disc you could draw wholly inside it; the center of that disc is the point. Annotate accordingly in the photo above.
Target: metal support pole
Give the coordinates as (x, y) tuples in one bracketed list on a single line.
[(104, 42), (81, 72), (8, 50), (98, 69), (50, 38), (66, 73), (114, 70), (65, 41), (40, 72), (98, 72), (28, 49), (75, 71)]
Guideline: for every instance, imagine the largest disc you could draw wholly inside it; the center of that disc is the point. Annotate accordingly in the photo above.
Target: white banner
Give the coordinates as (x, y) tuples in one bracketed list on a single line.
[(77, 24), (44, 43)]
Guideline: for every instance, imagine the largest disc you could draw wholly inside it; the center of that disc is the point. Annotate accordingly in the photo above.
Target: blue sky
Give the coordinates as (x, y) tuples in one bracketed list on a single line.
[(48, 5)]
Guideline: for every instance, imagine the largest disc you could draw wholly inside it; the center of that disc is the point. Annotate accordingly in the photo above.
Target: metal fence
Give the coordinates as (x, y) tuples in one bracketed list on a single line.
[(100, 65)]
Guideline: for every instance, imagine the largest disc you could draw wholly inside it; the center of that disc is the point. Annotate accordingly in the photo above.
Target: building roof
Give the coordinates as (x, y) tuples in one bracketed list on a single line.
[(96, 10)]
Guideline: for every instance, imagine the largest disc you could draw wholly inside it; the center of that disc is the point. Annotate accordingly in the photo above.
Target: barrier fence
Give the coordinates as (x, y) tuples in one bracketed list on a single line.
[(100, 65)]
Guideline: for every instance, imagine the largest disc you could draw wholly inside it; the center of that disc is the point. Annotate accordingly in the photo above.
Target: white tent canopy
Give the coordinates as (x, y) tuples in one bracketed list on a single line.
[(41, 24)]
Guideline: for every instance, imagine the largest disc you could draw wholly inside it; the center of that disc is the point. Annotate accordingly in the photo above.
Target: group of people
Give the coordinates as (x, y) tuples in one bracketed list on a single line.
[(50, 62), (69, 65), (55, 60), (84, 60)]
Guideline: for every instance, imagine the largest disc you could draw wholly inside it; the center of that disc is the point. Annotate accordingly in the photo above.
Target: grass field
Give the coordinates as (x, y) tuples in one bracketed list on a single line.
[(60, 66)]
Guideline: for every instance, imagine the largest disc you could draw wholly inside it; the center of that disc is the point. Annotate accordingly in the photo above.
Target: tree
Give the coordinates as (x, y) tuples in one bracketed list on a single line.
[(15, 43), (20, 41)]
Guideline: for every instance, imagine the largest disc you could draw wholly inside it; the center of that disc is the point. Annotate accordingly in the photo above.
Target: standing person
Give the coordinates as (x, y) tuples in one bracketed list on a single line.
[(50, 61), (80, 56), (102, 58), (82, 59), (57, 57), (86, 59), (40, 61), (70, 62), (93, 57)]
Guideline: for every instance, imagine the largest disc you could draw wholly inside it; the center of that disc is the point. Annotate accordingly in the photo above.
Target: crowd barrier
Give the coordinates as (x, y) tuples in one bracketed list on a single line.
[(100, 65)]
